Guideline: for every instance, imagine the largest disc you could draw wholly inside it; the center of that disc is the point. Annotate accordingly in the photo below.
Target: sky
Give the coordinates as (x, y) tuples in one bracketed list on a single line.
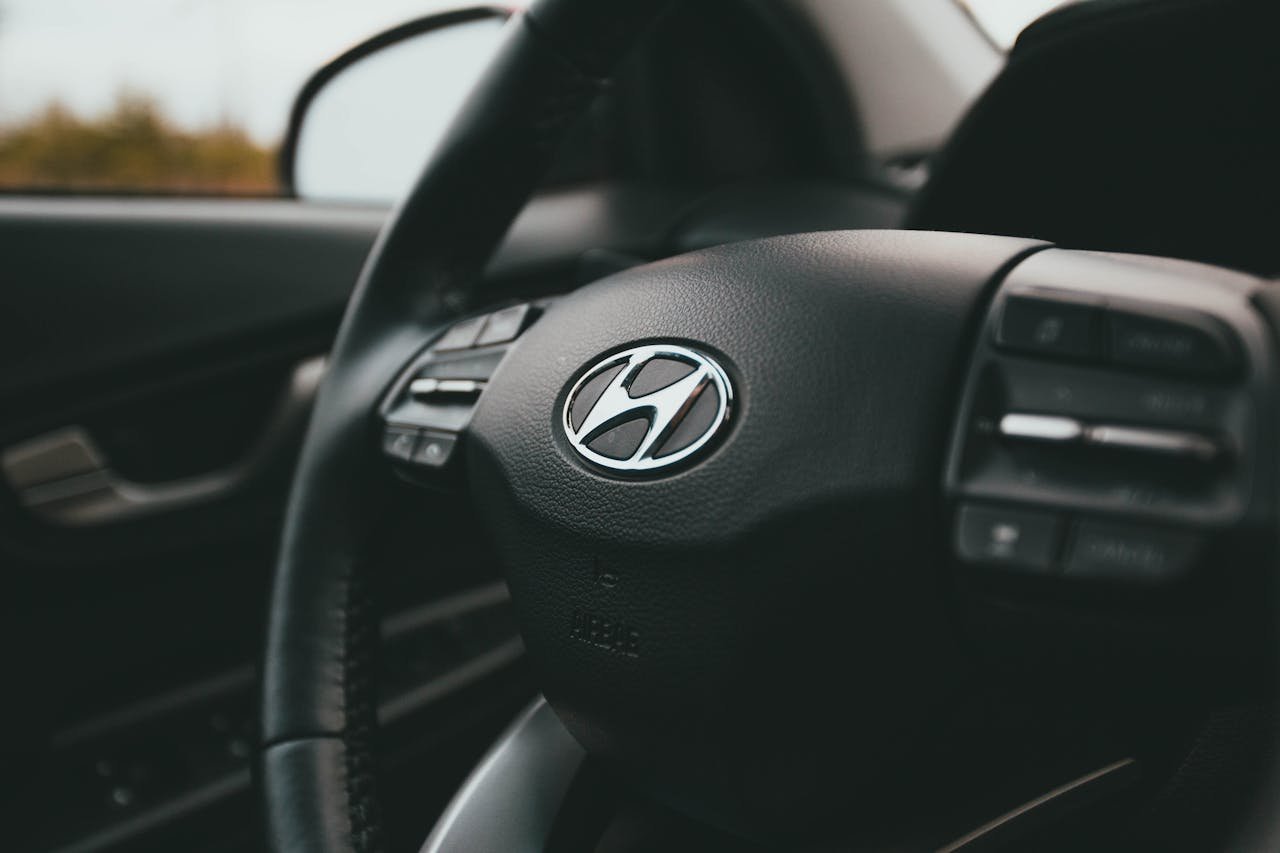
[(206, 61)]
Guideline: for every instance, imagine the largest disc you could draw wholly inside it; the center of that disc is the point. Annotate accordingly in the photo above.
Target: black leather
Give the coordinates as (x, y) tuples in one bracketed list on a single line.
[(1143, 126), (317, 691), (310, 796)]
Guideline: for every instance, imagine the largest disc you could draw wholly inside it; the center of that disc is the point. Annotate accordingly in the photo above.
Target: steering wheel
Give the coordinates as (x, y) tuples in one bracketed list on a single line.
[(825, 536)]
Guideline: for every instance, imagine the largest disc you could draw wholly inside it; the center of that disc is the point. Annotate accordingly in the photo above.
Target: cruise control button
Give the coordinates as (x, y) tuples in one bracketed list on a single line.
[(1047, 326), (503, 325), (1193, 344), (1123, 552), (1174, 444), (461, 335), (435, 449), (399, 442), (1048, 428), (1016, 538), (468, 365)]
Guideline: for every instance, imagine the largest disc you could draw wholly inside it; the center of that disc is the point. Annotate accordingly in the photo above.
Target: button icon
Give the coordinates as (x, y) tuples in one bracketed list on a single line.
[(1048, 331), (435, 450), (1004, 539), (1009, 537), (399, 443), (1130, 553), (1045, 325)]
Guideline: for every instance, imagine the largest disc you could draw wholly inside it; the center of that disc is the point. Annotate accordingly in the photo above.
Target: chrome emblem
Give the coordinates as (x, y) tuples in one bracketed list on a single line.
[(647, 408)]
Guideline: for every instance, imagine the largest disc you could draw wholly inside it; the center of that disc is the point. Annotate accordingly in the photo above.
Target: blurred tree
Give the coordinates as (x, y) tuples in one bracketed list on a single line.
[(134, 148)]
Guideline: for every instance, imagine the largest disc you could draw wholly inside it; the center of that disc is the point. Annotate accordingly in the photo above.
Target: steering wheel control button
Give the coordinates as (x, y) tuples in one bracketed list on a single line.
[(399, 443), (1190, 344), (461, 335), (647, 408), (1057, 429), (429, 388), (1109, 551), (1011, 538), (435, 449), (465, 365), (1175, 444), (1050, 428), (1057, 327), (504, 325)]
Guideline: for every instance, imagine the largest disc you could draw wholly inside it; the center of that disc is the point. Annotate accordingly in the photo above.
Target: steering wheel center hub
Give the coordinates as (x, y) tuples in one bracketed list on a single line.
[(719, 534)]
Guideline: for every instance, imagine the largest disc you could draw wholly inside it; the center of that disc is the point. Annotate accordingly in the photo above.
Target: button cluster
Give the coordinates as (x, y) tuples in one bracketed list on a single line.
[(1072, 326), (1004, 536), (1040, 542), (420, 447), (500, 327), (433, 401), (1109, 475), (1057, 327)]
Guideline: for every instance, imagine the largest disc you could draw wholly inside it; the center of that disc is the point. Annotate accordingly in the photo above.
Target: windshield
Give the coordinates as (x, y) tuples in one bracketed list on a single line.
[(1003, 20)]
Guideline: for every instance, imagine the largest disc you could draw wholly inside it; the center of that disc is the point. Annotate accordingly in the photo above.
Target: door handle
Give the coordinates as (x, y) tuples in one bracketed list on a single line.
[(64, 478)]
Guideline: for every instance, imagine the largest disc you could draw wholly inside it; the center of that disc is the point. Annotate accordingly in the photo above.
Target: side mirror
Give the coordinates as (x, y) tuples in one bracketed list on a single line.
[(363, 125)]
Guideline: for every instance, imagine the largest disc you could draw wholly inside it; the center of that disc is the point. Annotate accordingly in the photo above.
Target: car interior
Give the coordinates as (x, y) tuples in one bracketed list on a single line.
[(691, 459)]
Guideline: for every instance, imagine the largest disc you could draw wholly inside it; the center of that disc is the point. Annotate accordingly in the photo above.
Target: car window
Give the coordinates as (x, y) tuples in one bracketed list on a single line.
[(164, 96), (1003, 20)]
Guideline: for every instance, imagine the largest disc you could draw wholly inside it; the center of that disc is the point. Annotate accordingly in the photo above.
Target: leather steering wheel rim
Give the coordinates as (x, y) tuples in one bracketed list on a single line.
[(318, 702), (318, 708)]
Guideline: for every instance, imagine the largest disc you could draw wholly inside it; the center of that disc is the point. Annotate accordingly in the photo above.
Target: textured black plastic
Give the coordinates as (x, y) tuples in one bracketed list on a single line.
[(1232, 407)]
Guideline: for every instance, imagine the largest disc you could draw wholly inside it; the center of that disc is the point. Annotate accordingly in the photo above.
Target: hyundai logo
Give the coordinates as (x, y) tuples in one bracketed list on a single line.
[(647, 408)]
